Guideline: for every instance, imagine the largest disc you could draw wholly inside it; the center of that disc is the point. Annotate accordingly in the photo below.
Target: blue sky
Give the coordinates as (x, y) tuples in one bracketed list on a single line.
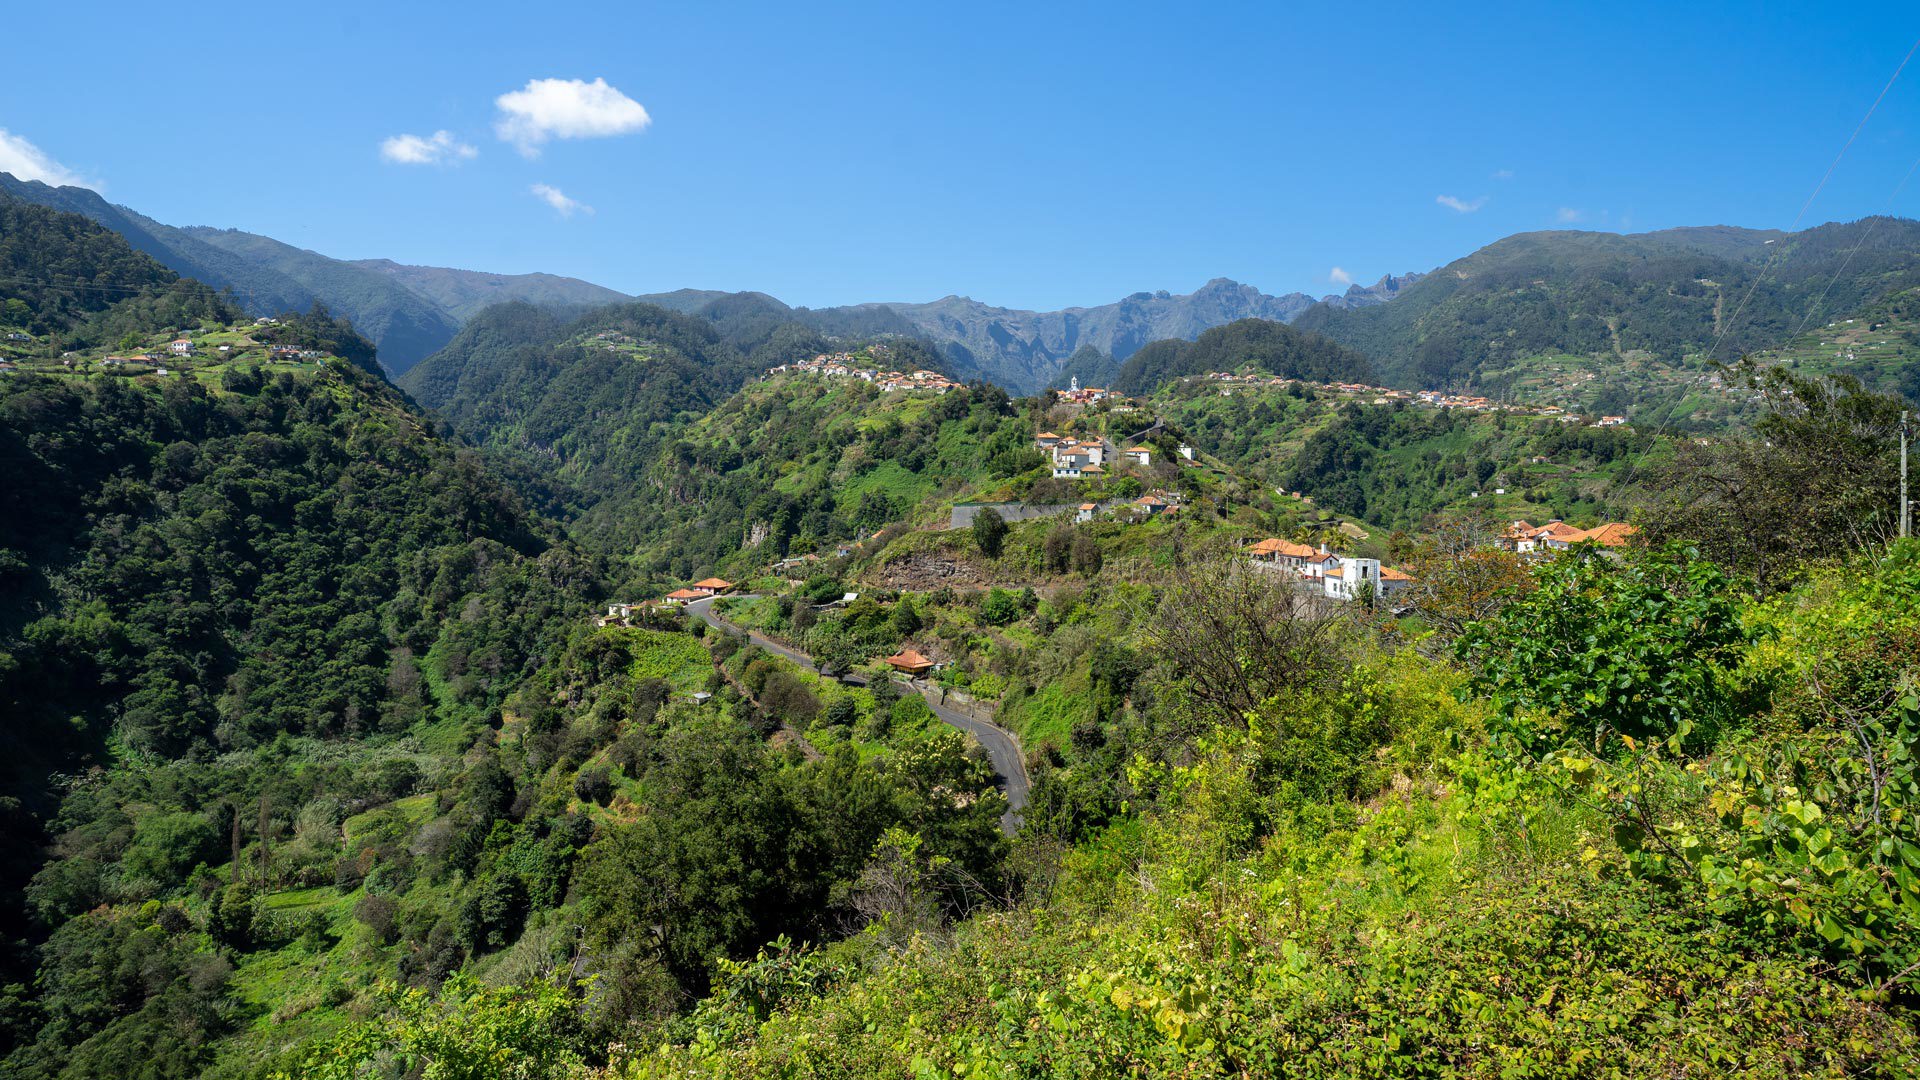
[(1027, 155)]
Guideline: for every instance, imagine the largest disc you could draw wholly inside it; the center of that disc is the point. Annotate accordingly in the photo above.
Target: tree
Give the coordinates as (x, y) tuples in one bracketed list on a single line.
[(1817, 478), (1637, 647), (989, 532), (1462, 574), (1235, 636)]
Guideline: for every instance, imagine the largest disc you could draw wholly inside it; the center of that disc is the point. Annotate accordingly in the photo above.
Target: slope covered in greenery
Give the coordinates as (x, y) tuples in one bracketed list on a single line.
[(195, 583), (406, 327), (1396, 465), (580, 405), (1272, 347), (1670, 295), (802, 464), (58, 268)]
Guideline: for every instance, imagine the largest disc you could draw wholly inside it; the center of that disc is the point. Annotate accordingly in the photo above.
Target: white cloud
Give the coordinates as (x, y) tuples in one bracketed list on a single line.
[(28, 162), (1339, 276), (439, 148), (559, 200), (565, 109), (1503, 174), (1567, 215), (1461, 205)]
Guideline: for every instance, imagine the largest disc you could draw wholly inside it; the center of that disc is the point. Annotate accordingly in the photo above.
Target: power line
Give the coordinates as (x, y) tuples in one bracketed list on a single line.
[(1808, 205), (1865, 234), (1725, 327)]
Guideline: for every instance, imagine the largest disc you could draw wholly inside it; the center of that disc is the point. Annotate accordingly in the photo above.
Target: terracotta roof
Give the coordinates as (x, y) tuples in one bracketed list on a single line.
[(713, 583), (1612, 534), (908, 658), (1151, 500), (1388, 573), (1338, 571), (1046, 435), (1089, 506), (1284, 547), (686, 594), (1559, 530), (1519, 529)]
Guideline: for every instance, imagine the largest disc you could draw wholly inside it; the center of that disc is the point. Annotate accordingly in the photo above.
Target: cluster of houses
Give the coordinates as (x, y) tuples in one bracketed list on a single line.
[(847, 366), (1557, 535), (622, 614), (1339, 577), (1145, 508), (1383, 395), (1079, 459)]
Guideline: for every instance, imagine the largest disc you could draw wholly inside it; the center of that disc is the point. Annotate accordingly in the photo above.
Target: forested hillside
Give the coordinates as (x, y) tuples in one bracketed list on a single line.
[(577, 406), (1396, 466), (1266, 346), (1707, 293)]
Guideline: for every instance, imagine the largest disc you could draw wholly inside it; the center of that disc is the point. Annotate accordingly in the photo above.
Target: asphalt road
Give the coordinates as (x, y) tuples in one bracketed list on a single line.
[(1003, 750)]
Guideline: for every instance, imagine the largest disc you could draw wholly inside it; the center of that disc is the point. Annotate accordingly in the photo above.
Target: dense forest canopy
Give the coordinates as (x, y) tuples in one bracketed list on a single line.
[(1272, 347)]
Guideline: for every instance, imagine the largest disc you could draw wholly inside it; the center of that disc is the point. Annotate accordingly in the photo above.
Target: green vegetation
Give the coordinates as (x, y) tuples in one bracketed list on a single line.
[(328, 766), (1272, 347), (1668, 296)]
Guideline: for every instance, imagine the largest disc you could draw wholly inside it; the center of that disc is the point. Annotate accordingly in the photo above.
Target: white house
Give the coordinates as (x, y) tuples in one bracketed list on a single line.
[(180, 347), (1068, 468), (1317, 566), (1086, 512), (1140, 455), (1351, 577), (1186, 451)]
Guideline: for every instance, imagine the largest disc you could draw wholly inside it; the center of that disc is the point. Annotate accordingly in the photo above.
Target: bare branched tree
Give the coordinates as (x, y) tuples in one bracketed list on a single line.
[(1463, 573), (1235, 635)]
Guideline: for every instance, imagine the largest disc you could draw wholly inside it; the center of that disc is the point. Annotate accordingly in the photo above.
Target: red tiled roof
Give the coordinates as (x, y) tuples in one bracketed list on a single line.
[(1612, 534), (713, 583), (908, 658)]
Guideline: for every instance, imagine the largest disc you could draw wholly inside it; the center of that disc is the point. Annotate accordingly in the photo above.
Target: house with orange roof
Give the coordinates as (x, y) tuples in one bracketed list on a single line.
[(1085, 511), (909, 662), (1282, 553), (683, 596), (1554, 535), (1614, 534), (714, 586)]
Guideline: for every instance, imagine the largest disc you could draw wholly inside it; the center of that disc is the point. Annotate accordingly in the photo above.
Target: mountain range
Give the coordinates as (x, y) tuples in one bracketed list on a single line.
[(410, 312), (1624, 299), (1713, 292)]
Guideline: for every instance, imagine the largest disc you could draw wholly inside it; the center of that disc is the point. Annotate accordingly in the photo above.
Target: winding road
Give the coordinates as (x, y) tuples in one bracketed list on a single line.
[(1003, 749)]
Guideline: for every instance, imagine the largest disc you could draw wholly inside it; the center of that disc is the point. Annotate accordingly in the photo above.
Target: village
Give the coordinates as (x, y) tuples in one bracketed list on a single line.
[(1229, 381), (849, 366), (176, 356)]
